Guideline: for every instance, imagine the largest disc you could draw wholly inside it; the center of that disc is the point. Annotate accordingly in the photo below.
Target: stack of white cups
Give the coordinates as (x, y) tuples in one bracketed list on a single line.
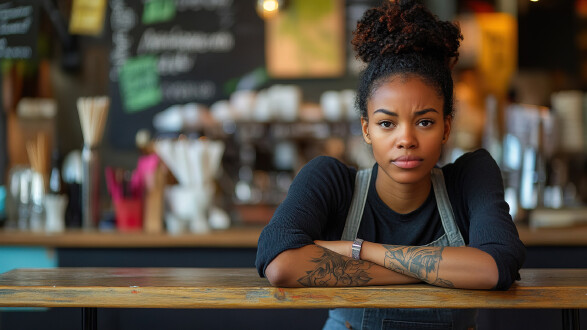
[(568, 107), (195, 163), (339, 105)]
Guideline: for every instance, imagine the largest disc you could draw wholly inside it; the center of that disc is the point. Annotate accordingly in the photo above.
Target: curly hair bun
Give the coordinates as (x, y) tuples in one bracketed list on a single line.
[(402, 27)]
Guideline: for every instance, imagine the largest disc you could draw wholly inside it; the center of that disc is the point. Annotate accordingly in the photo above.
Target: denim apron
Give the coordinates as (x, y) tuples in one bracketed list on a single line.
[(402, 318)]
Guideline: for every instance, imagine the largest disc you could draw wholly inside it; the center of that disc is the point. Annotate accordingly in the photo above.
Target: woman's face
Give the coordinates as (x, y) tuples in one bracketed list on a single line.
[(406, 128)]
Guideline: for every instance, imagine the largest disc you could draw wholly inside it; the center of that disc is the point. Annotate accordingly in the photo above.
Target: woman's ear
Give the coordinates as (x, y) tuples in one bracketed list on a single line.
[(365, 129), (447, 127)]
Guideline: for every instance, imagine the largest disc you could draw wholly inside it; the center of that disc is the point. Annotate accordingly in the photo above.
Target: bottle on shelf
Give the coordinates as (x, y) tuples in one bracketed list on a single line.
[(55, 182)]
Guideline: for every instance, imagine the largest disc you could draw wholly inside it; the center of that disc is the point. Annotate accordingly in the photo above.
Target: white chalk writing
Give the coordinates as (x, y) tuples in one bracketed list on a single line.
[(14, 51), (16, 12), (176, 39), (195, 5), (175, 63), (20, 27), (122, 20), (184, 91)]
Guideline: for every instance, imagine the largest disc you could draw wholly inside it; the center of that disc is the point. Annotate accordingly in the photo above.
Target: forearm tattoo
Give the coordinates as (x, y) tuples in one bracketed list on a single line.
[(333, 269), (416, 261)]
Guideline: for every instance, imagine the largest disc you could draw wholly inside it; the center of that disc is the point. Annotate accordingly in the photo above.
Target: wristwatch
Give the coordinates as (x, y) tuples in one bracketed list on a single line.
[(356, 249)]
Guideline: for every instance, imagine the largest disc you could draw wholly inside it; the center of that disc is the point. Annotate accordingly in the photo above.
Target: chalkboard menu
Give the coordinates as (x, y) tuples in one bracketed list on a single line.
[(19, 26), (168, 52)]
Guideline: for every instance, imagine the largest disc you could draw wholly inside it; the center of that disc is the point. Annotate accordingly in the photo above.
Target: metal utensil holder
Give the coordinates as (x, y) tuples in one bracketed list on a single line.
[(90, 187)]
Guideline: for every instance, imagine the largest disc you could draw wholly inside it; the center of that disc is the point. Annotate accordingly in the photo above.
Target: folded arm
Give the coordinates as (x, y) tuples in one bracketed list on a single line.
[(313, 265), (454, 267)]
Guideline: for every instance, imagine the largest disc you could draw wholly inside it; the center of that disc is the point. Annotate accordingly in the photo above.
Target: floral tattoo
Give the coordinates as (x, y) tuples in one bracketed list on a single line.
[(333, 269)]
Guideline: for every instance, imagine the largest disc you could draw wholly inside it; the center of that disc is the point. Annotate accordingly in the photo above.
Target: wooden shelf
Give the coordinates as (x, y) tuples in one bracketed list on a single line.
[(239, 237), (236, 237), (564, 236)]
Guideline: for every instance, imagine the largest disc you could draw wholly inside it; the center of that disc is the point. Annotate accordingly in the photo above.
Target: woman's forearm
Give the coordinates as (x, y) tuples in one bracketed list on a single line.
[(460, 267), (314, 265)]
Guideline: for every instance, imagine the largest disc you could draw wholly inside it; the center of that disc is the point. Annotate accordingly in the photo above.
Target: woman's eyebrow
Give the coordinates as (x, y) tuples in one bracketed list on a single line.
[(387, 112), (425, 111), (417, 113)]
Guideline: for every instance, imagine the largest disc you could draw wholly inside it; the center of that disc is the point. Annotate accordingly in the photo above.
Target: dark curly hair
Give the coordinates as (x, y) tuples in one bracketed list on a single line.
[(404, 38)]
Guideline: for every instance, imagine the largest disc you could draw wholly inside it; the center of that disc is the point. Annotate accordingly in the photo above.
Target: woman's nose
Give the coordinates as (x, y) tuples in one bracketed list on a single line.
[(406, 138)]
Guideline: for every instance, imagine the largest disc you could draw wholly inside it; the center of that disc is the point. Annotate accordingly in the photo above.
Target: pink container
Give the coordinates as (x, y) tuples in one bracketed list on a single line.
[(129, 214)]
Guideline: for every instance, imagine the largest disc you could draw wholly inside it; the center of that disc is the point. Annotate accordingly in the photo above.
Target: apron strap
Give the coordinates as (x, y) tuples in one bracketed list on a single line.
[(353, 219), (362, 182), (444, 208)]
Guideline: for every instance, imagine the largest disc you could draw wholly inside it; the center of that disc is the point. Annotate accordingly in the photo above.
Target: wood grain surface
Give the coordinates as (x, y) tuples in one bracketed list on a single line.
[(243, 288)]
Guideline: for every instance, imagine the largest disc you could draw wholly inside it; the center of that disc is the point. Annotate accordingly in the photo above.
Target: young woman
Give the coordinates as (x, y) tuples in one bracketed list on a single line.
[(412, 222)]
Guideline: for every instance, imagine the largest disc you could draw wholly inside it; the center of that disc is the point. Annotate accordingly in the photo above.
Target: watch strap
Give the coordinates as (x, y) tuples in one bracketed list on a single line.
[(356, 248)]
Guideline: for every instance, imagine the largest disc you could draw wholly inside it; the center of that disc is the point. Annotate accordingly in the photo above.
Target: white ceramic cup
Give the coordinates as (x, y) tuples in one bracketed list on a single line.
[(55, 212)]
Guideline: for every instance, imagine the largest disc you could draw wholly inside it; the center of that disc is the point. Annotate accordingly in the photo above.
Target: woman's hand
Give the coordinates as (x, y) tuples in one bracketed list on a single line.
[(341, 247)]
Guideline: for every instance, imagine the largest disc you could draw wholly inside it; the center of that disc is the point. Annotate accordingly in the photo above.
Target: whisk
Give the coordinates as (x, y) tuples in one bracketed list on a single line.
[(38, 155), (31, 212), (93, 112)]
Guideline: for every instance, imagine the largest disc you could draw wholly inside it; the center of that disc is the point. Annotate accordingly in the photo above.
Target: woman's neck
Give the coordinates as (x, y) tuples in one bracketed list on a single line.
[(401, 197)]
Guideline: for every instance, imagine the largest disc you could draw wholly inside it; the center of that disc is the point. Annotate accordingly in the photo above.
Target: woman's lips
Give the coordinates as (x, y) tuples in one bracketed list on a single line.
[(407, 162)]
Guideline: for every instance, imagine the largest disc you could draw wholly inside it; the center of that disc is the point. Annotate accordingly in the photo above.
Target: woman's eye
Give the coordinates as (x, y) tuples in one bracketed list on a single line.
[(425, 123), (386, 124)]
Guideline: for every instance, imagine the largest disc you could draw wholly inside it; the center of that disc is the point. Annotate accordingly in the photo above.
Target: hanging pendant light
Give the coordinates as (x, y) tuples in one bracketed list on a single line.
[(268, 8)]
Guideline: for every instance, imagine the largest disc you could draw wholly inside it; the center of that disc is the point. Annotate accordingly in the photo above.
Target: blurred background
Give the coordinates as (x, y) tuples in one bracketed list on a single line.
[(166, 132)]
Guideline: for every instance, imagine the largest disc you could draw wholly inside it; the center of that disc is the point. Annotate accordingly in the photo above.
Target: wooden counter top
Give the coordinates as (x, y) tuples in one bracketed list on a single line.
[(238, 237), (242, 288)]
